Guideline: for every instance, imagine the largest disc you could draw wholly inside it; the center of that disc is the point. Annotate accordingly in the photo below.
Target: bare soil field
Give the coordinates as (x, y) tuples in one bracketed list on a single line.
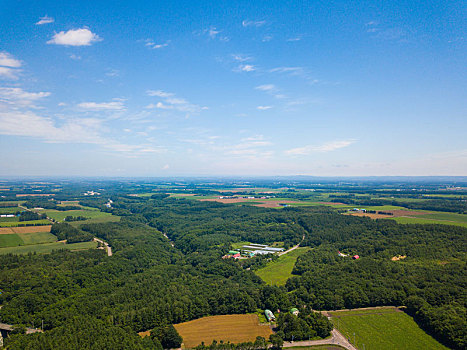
[(31, 229), (6, 231), (233, 328)]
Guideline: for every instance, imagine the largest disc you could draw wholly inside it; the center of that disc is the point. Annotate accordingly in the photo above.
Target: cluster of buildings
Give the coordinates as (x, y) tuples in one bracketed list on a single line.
[(270, 316), (252, 249)]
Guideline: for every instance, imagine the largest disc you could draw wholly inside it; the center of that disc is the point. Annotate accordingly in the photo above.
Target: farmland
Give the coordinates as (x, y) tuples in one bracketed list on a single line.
[(47, 247), (233, 328), (24, 223), (279, 271), (383, 328)]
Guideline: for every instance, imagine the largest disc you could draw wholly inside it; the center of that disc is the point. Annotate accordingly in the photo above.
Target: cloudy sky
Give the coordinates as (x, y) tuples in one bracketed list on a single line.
[(185, 88)]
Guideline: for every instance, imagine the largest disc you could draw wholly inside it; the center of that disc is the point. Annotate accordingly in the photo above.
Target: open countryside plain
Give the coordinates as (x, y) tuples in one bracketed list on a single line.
[(383, 328), (279, 271), (233, 328)]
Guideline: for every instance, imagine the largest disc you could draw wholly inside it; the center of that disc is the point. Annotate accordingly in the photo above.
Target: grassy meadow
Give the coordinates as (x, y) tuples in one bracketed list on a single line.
[(279, 271), (387, 329)]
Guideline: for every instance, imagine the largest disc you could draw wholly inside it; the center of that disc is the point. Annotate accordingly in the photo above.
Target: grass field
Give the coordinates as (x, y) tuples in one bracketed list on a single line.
[(279, 271), (13, 219), (233, 328), (23, 223), (97, 220), (10, 240), (61, 215), (47, 247), (37, 237), (424, 220), (387, 329), (10, 210)]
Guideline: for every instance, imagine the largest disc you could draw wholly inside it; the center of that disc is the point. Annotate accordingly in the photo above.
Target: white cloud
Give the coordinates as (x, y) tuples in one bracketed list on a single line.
[(241, 58), (45, 20), (104, 106), (159, 93), (248, 23), (17, 97), (290, 70), (150, 43), (326, 147), (8, 60), (17, 119), (267, 38), (8, 73), (246, 68), (75, 57), (298, 38), (213, 32), (9, 66), (75, 37), (266, 87), (170, 101), (263, 108), (166, 167)]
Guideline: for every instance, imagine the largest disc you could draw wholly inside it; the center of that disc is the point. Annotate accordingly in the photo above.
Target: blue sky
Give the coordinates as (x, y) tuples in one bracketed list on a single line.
[(183, 88)]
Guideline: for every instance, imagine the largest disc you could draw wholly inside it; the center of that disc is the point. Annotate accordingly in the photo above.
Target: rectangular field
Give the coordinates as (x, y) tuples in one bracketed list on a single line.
[(233, 328), (389, 329), (279, 271), (424, 220), (37, 237), (24, 223), (10, 240), (47, 247)]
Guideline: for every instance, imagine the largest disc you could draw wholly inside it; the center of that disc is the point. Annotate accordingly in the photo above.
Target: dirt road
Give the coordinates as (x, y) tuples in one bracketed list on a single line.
[(336, 339), (293, 248)]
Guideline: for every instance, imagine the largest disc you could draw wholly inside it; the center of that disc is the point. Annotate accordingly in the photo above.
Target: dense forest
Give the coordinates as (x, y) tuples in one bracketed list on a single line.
[(167, 268)]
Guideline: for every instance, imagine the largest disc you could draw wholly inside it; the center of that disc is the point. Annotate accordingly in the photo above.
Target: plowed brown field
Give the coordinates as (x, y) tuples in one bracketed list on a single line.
[(233, 328)]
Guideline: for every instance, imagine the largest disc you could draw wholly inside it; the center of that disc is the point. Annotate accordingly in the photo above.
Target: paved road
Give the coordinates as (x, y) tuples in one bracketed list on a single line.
[(107, 248), (8, 327), (336, 339)]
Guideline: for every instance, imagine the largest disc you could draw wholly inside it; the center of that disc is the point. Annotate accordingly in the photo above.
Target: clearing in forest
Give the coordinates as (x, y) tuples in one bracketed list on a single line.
[(382, 328), (279, 271), (233, 328)]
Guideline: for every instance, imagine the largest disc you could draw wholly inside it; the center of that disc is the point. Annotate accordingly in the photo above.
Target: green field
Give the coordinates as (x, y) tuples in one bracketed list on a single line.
[(37, 237), (25, 223), (279, 271), (424, 220), (383, 329), (47, 247), (10, 210), (10, 240), (94, 216), (446, 216), (97, 220), (13, 219)]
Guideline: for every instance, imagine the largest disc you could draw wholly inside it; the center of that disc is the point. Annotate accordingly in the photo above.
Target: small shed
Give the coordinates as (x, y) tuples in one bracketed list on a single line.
[(355, 257), (269, 315), (294, 311)]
